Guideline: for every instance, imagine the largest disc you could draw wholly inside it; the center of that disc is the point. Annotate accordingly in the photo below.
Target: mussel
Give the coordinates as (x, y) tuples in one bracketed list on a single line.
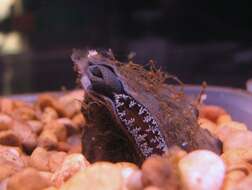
[(132, 113)]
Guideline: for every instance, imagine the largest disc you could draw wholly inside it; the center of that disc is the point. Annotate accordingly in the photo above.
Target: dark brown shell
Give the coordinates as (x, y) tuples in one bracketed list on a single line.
[(104, 138)]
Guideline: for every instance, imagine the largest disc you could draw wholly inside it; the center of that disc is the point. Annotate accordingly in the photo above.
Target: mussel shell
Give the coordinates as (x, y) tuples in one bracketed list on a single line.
[(105, 139)]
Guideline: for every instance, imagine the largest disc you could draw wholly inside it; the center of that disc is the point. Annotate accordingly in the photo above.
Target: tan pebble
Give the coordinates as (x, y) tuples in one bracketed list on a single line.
[(158, 171), (58, 129), (234, 156), (235, 125), (232, 178), (35, 125), (71, 103), (152, 188), (19, 104), (6, 171), (28, 179), (242, 163), (26, 159), (244, 184), (211, 112), (207, 124), (70, 166), (238, 140), (49, 115), (174, 154), (202, 170), (71, 108), (24, 113), (48, 140), (40, 159), (134, 181), (225, 118), (5, 122), (79, 120), (46, 175), (47, 100), (3, 184), (51, 188), (126, 165), (11, 154), (27, 138), (63, 146), (127, 169), (9, 138), (6, 105), (10, 161), (56, 159), (223, 131), (99, 176)]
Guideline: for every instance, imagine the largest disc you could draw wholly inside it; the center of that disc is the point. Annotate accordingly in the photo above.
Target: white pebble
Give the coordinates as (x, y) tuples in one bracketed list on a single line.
[(202, 170)]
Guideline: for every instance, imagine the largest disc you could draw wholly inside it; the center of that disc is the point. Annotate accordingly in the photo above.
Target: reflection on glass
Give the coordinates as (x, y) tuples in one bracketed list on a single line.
[(12, 43), (5, 8), (10, 6)]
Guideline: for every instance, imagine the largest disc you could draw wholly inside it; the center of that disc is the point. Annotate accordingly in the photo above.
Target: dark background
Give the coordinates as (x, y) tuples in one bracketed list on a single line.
[(196, 40)]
